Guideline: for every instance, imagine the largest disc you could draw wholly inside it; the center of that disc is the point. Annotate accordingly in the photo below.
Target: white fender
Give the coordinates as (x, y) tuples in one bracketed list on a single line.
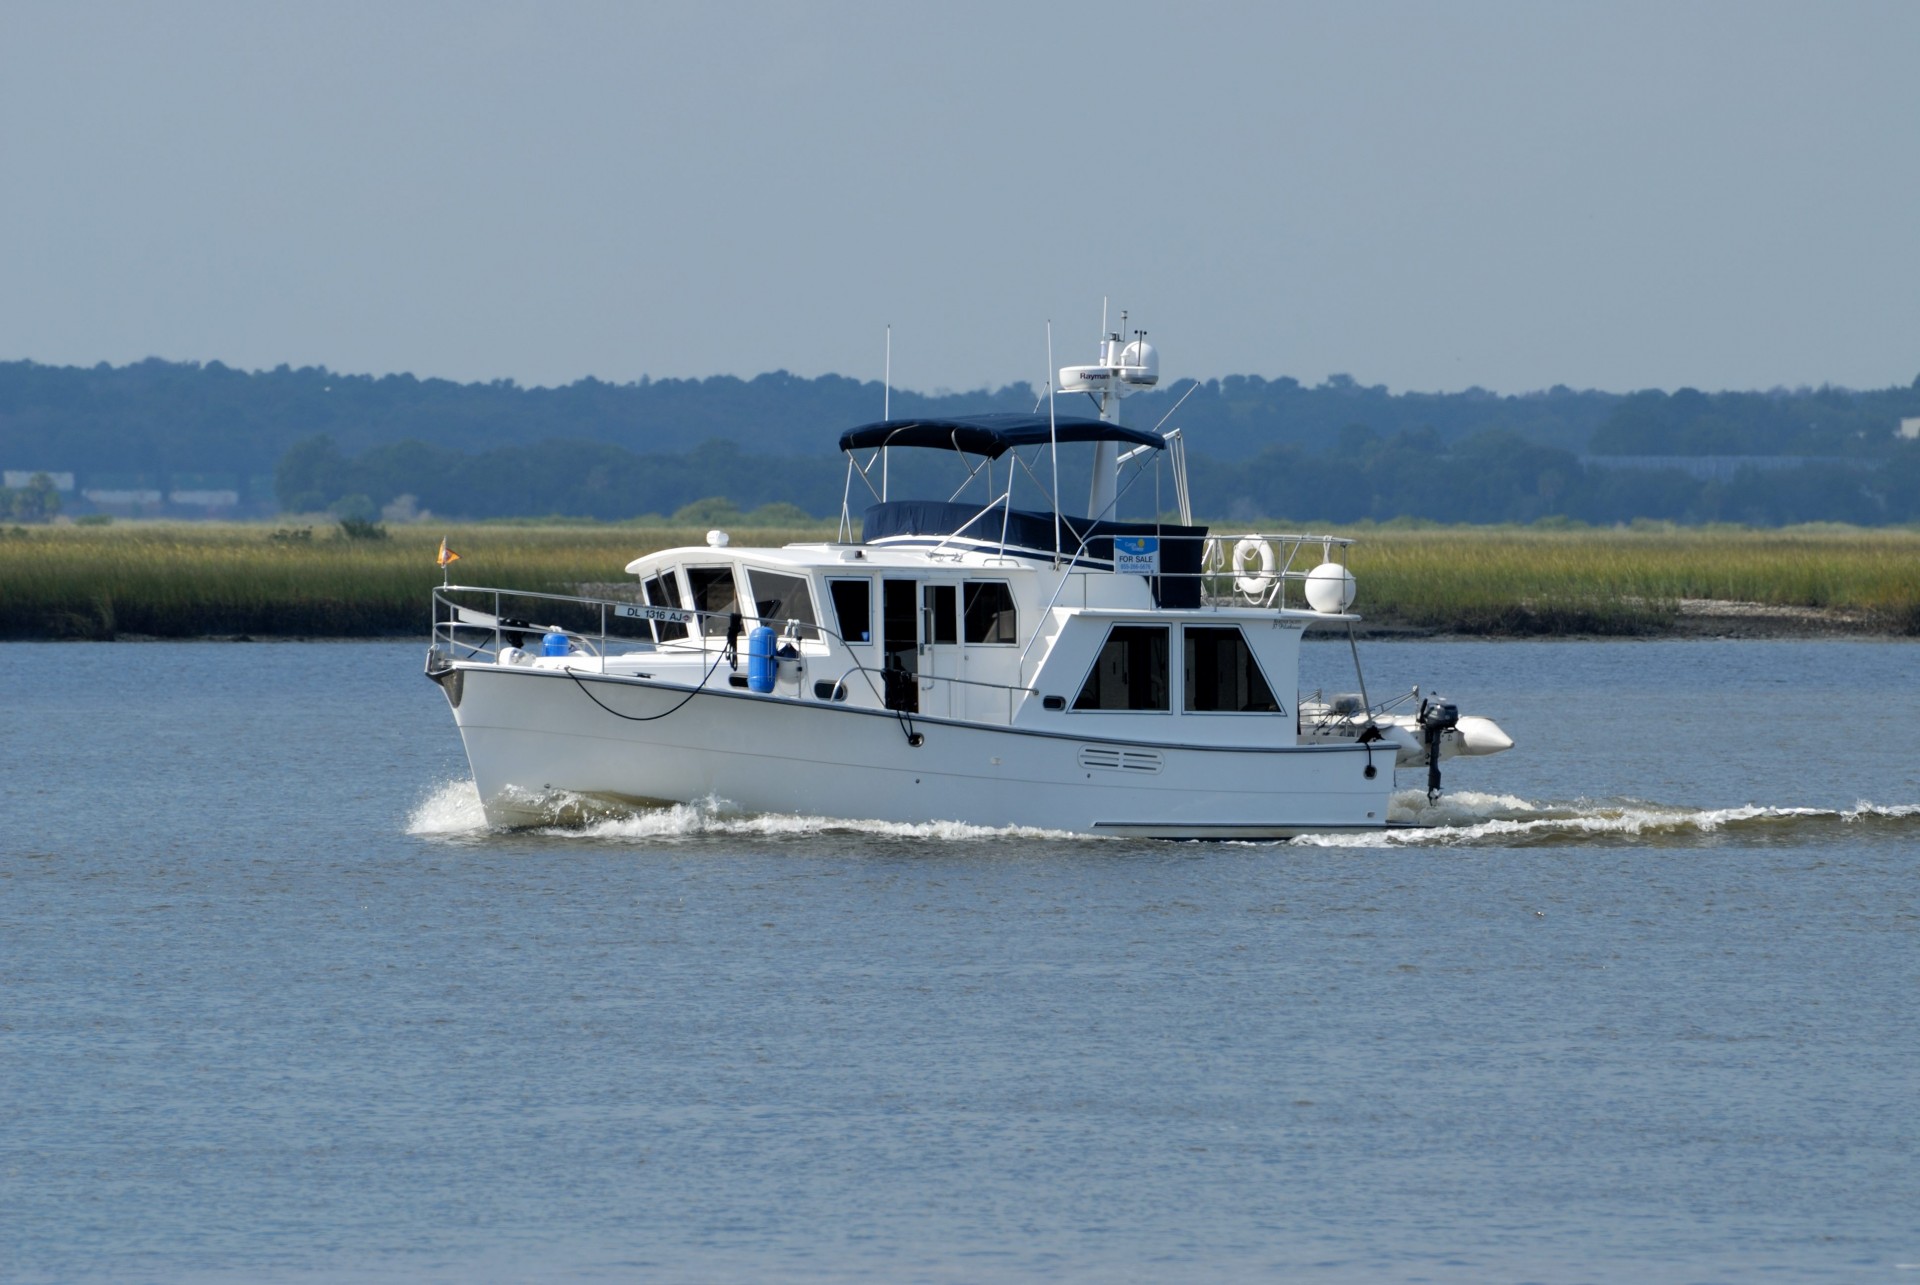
[(1481, 736)]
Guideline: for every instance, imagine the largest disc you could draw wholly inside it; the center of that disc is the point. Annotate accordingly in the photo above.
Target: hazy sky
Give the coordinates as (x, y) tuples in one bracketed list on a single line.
[(1428, 196)]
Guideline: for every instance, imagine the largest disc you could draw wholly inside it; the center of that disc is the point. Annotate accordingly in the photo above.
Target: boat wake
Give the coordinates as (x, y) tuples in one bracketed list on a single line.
[(1463, 819), (453, 811), (1500, 820)]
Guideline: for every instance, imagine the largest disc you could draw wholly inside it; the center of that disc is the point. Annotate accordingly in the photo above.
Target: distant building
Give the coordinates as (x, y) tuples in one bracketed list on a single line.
[(204, 499), (14, 479), (109, 499), (1721, 468), (1909, 429)]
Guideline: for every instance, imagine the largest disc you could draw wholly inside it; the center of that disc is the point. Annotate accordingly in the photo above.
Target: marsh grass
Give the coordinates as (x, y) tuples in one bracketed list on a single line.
[(1632, 581), (185, 580), (174, 580)]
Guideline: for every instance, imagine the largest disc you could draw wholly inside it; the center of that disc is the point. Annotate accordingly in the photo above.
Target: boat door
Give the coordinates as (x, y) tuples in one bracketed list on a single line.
[(900, 643), (939, 647)]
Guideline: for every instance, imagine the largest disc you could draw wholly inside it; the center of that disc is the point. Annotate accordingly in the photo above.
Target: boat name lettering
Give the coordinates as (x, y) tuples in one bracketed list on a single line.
[(637, 612)]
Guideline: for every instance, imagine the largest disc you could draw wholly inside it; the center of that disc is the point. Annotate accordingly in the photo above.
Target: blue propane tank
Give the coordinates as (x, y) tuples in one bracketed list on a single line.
[(761, 664), (555, 644)]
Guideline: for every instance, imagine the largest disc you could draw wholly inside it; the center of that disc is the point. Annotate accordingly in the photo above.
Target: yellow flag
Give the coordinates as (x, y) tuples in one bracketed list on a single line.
[(447, 555)]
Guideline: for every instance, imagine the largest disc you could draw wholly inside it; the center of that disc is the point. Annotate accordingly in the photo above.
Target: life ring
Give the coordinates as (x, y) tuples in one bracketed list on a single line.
[(1246, 555)]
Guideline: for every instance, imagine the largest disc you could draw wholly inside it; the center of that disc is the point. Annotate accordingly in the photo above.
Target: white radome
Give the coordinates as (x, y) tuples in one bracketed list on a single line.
[(1330, 588)]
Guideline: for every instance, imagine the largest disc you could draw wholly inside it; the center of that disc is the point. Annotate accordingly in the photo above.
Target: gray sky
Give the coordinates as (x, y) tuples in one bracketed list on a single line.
[(1428, 196)]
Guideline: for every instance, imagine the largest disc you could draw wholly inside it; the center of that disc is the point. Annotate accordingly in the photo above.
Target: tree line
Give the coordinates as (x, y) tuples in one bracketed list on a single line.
[(1492, 476), (596, 449)]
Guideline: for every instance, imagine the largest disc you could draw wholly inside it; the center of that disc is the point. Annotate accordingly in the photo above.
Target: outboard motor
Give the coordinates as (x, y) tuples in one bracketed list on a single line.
[(1437, 718)]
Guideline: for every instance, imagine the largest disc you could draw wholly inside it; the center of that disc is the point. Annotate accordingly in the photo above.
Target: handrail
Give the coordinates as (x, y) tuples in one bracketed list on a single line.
[(1224, 583), (596, 642), (445, 631)]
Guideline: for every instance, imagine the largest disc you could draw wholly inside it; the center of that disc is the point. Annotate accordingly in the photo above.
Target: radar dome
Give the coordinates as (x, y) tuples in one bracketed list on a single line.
[(1142, 363)]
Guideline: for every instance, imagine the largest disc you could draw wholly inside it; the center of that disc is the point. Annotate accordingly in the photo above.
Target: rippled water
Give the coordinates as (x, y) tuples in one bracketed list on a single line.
[(1636, 1000)]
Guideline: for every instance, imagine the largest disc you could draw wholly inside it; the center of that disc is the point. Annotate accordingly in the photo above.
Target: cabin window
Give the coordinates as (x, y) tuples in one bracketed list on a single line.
[(1222, 675), (853, 609), (712, 589), (663, 590), (1131, 672), (943, 622), (778, 599), (989, 613)]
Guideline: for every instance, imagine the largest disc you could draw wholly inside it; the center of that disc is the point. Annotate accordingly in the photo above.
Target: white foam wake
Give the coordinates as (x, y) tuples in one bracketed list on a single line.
[(453, 810), (1500, 820), (716, 817)]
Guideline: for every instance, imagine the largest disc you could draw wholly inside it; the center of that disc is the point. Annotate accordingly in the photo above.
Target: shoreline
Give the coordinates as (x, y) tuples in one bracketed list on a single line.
[(1697, 620)]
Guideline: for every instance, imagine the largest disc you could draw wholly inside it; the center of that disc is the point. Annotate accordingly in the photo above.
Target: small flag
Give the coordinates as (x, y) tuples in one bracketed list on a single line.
[(446, 555)]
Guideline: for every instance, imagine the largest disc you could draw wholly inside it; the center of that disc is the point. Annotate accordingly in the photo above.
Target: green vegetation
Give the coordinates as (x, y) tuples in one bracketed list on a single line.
[(194, 579), (37, 501), (176, 580), (312, 440), (1521, 580)]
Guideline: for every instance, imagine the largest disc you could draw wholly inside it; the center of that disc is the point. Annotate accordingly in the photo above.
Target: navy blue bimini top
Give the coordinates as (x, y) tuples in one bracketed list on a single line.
[(993, 435)]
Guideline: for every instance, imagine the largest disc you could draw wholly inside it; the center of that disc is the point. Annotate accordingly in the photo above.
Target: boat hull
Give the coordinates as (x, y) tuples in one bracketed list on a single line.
[(531, 735)]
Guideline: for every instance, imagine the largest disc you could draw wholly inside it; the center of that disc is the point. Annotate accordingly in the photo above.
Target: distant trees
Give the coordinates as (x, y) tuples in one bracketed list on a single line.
[(1495, 476), (367, 448), (37, 501), (1822, 422)]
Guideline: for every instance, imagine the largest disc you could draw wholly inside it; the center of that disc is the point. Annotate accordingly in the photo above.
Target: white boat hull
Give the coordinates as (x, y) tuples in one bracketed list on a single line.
[(532, 735)]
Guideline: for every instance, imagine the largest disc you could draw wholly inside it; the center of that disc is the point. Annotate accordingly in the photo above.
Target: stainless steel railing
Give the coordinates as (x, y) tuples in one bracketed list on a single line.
[(469, 632)]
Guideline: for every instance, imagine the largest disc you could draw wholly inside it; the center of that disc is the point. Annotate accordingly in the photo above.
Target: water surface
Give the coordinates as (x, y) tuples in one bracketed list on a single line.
[(1637, 1000)]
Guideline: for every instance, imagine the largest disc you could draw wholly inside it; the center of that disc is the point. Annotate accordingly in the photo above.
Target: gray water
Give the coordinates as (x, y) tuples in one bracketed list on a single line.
[(1637, 1003)]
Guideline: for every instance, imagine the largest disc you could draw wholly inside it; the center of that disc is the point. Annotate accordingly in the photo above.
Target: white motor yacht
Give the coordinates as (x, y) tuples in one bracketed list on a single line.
[(984, 656)]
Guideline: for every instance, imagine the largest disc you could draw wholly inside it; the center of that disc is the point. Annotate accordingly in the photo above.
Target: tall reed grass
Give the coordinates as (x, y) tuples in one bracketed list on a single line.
[(173, 580), (1631, 581), (182, 580)]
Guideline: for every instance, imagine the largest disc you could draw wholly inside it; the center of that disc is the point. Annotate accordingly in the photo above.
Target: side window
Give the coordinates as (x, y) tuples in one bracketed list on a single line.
[(778, 599), (712, 589), (989, 613), (1223, 676), (663, 590), (1131, 672), (943, 625), (853, 608)]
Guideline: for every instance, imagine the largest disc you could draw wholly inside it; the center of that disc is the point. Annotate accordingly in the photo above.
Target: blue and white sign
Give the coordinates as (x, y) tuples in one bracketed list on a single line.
[(1137, 554)]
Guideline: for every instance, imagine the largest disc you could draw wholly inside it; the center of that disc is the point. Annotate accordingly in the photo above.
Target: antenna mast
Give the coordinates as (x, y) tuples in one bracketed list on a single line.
[(1124, 367), (1053, 439), (886, 408)]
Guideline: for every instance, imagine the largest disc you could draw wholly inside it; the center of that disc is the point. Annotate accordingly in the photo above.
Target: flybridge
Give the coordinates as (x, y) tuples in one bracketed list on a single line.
[(1118, 450)]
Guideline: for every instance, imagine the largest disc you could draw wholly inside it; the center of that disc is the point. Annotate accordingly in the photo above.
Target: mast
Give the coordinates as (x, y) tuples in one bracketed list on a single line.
[(1123, 368)]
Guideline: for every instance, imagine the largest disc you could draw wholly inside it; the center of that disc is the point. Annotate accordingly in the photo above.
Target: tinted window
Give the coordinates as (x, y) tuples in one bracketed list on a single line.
[(1222, 675), (853, 608), (778, 599), (712, 589), (1131, 672), (943, 622), (663, 590), (989, 613)]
